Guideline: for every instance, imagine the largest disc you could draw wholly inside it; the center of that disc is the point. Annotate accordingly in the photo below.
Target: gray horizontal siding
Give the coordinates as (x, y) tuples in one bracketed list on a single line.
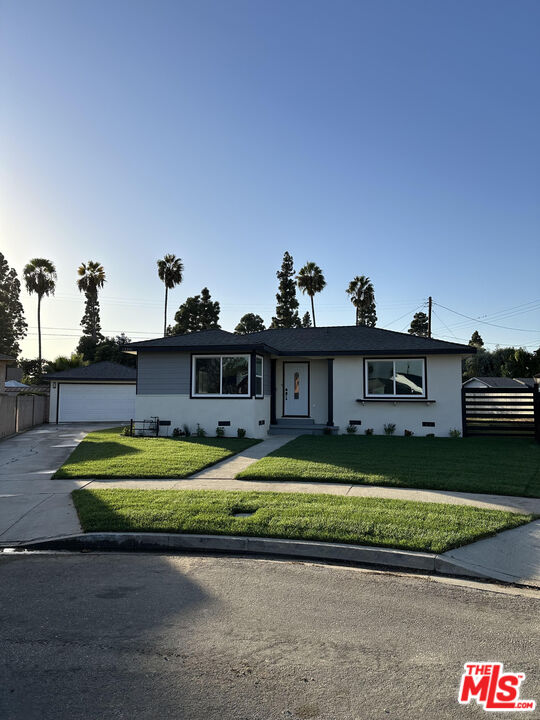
[(163, 373)]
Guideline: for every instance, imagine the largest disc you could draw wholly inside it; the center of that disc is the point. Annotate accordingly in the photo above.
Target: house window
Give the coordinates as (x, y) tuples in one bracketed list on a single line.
[(395, 378), (221, 375), (259, 371)]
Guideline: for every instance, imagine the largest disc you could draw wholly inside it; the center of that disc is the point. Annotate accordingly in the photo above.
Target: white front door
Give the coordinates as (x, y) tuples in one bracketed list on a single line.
[(296, 389)]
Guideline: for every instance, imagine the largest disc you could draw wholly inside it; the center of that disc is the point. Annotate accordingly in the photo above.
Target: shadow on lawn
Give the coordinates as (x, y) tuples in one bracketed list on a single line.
[(472, 465)]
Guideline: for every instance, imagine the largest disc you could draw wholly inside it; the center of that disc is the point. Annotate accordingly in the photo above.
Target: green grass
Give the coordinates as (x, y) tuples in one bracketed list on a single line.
[(367, 521), (505, 466), (107, 454)]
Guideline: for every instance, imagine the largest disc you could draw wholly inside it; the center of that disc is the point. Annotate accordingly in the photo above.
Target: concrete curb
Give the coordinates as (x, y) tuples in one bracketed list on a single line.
[(169, 542)]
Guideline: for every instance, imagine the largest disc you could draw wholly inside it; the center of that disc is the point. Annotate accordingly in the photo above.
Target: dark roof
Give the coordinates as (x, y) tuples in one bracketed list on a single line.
[(340, 340), (504, 382), (105, 370), (6, 357)]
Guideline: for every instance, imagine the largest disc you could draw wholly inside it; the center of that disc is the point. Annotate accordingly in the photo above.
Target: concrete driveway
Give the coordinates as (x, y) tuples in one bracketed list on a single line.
[(32, 505)]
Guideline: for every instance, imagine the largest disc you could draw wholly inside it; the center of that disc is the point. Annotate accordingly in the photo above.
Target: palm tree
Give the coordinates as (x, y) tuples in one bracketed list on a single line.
[(310, 280), (170, 271), (40, 278), (362, 296), (91, 279)]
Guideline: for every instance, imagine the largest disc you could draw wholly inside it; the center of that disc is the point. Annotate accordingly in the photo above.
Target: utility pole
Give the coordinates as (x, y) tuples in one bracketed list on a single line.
[(430, 303)]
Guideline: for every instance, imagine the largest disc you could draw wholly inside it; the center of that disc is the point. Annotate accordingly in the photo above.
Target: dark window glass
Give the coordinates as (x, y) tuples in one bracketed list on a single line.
[(207, 376), (235, 376), (409, 380), (380, 377)]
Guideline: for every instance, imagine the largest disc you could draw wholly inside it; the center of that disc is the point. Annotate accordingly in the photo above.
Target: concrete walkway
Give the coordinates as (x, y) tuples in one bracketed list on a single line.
[(512, 556), (32, 505), (228, 469)]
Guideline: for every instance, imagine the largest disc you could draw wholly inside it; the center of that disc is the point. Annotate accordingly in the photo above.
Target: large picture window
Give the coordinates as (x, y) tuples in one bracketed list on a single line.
[(221, 375), (395, 378)]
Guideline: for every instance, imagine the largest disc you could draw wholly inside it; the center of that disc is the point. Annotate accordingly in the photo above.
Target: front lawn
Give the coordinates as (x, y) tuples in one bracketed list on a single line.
[(108, 454), (366, 521), (504, 466)]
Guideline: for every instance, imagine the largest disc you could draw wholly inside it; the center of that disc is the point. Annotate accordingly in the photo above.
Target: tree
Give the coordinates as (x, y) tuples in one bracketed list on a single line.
[(32, 371), (419, 325), (310, 280), (91, 280), (306, 320), (12, 323), (249, 323), (287, 304), (362, 296), (112, 349), (170, 271), (40, 278), (63, 362), (476, 340), (197, 313)]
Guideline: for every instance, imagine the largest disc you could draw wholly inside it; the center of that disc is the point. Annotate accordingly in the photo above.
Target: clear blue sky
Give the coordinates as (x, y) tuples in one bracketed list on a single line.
[(394, 139)]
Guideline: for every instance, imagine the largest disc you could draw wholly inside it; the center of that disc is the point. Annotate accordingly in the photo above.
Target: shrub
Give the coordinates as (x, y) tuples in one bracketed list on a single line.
[(176, 433), (368, 431), (455, 433), (126, 430), (241, 432), (351, 429), (389, 428), (187, 431), (327, 430), (220, 431), (408, 433), (200, 432), (430, 435)]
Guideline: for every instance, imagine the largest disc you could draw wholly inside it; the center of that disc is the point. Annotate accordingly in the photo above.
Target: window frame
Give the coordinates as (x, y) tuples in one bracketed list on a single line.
[(261, 394), (394, 396), (221, 394)]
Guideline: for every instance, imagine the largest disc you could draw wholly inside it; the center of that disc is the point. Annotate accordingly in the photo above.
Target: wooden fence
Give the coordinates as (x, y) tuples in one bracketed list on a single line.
[(20, 412), (508, 411)]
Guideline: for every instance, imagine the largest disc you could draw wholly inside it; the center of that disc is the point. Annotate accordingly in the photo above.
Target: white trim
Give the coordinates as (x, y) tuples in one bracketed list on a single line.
[(220, 394), (261, 394), (367, 394)]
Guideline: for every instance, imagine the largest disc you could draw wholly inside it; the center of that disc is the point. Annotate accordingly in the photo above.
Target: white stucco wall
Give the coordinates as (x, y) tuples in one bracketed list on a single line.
[(180, 409), (444, 389), (53, 399)]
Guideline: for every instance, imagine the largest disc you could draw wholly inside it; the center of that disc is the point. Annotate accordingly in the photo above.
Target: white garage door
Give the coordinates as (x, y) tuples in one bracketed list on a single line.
[(95, 402)]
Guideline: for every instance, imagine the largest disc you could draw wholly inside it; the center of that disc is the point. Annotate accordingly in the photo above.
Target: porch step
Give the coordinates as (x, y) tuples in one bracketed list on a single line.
[(294, 421), (300, 428)]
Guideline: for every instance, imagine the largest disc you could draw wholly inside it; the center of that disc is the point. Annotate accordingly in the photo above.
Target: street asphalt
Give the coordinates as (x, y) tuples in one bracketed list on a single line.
[(92, 636)]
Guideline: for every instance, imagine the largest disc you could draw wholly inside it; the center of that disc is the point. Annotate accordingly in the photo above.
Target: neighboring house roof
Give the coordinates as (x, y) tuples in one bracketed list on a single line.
[(16, 384), (6, 357), (503, 382), (340, 340), (99, 371)]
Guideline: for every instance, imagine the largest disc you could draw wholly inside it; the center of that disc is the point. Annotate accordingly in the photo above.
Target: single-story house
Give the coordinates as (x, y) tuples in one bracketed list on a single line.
[(101, 392), (301, 380), (499, 383)]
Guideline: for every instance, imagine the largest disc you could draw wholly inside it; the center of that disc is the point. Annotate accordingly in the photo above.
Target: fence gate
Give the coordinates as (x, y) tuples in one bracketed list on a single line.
[(494, 411)]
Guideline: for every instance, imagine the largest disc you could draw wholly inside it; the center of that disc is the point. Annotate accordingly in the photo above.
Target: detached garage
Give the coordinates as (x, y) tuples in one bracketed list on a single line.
[(101, 392)]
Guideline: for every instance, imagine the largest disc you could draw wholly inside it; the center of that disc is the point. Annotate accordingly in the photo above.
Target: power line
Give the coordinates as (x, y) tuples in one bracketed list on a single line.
[(484, 322), (503, 314)]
